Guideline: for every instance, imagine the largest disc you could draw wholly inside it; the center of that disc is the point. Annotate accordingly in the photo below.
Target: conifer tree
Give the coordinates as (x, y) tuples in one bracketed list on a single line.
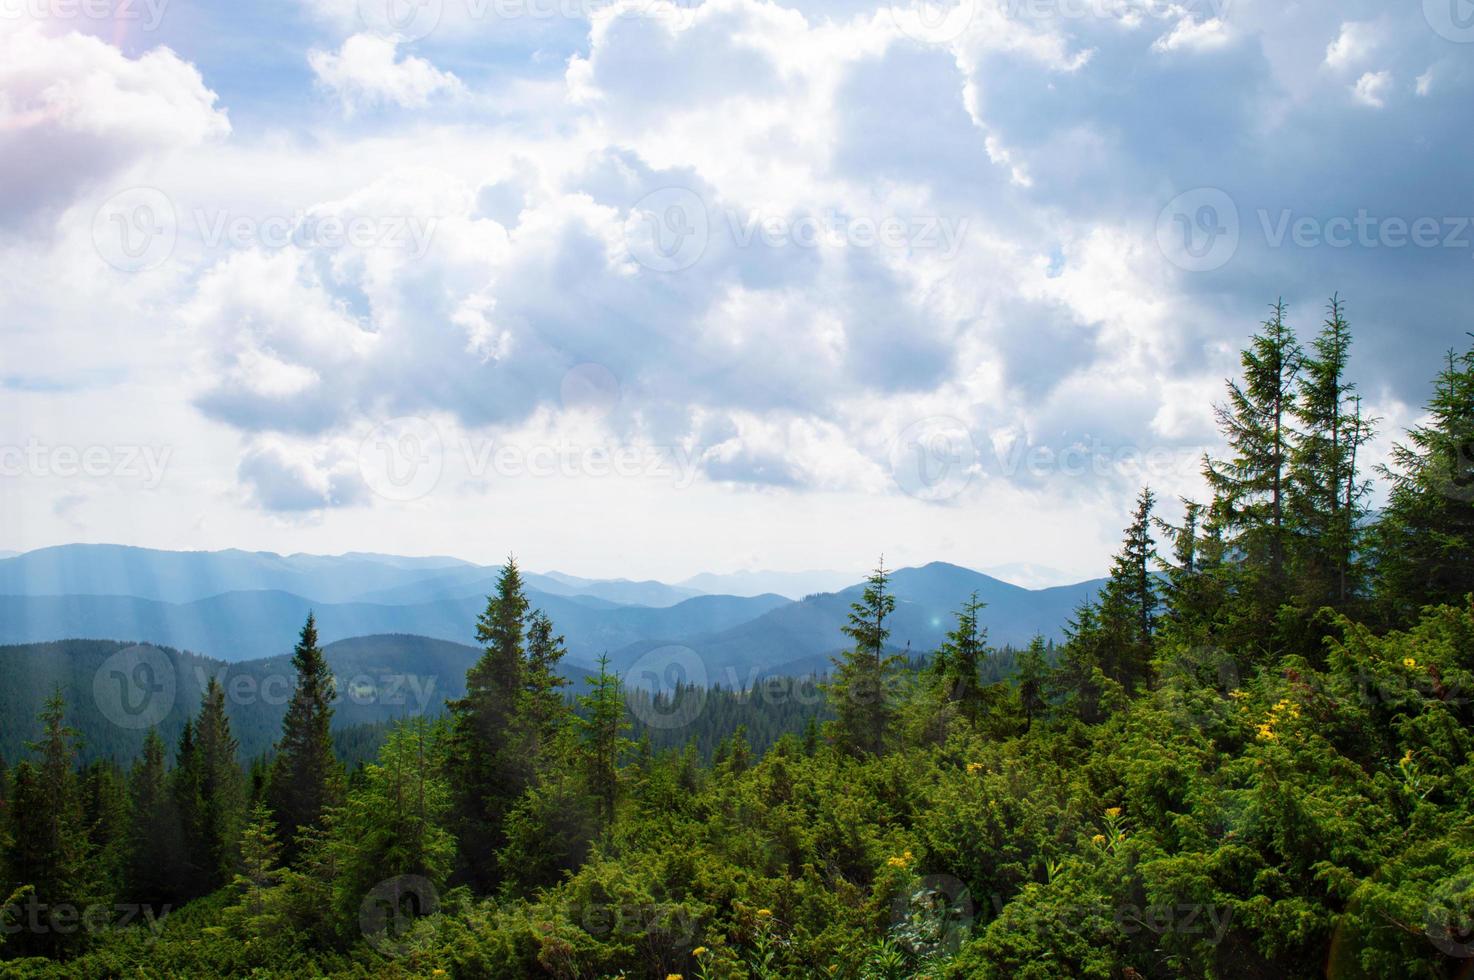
[(960, 661), (1326, 497), (222, 790), (153, 853), (258, 909), (1128, 605), (1425, 539), (50, 851), (1250, 487), (184, 789), (859, 691), (105, 812), (306, 778), (603, 724), (1033, 674), (543, 710), (488, 768)]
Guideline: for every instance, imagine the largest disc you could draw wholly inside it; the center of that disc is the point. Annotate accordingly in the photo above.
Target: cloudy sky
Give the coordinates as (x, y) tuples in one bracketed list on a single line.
[(640, 288)]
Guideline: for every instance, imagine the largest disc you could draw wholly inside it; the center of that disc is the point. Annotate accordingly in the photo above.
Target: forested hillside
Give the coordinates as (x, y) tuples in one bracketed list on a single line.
[(1252, 757)]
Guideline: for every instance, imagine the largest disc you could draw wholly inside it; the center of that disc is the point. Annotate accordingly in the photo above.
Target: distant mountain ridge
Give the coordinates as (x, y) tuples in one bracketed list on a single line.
[(239, 605)]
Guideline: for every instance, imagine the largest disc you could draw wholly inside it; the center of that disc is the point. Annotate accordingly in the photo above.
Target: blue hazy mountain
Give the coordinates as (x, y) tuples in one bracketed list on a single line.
[(795, 585), (800, 637), (238, 626)]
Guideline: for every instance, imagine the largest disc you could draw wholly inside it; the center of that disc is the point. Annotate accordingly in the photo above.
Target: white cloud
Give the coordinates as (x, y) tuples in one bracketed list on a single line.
[(1356, 41), (364, 73), (75, 111), (1194, 35), (1373, 88)]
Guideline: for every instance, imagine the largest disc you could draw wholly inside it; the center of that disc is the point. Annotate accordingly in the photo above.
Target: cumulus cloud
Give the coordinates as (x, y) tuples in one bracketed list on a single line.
[(364, 72), (1373, 88), (1351, 47), (75, 111)]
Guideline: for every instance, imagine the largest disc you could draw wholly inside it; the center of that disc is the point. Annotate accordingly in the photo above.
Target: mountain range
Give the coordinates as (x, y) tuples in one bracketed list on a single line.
[(238, 606)]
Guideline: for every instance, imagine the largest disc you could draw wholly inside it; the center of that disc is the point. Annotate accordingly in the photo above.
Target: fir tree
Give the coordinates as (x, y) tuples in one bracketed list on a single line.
[(154, 859), (222, 791), (859, 691), (488, 765), (960, 661), (1425, 539), (1251, 488), (1327, 499), (603, 724), (306, 778)]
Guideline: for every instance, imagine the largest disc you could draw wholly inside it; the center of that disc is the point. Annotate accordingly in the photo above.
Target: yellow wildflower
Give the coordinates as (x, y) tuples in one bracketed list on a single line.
[(764, 913), (1409, 662), (1113, 811), (973, 768), (672, 976), (699, 951), (1098, 839)]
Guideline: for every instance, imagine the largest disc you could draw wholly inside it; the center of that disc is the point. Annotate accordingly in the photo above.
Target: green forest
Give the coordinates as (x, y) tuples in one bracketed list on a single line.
[(1252, 757)]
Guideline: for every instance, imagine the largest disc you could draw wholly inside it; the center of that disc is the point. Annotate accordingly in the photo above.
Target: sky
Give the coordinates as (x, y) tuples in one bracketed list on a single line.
[(640, 288)]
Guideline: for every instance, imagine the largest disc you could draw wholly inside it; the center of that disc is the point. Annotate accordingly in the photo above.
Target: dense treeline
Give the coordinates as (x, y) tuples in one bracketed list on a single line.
[(1251, 758)]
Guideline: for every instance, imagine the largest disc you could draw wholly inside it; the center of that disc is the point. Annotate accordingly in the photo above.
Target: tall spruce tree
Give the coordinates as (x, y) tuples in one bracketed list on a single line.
[(306, 778), (1128, 605), (488, 768), (859, 692), (1327, 500), (154, 856), (50, 850), (222, 790), (602, 724), (1250, 487), (960, 661), (1425, 539)]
